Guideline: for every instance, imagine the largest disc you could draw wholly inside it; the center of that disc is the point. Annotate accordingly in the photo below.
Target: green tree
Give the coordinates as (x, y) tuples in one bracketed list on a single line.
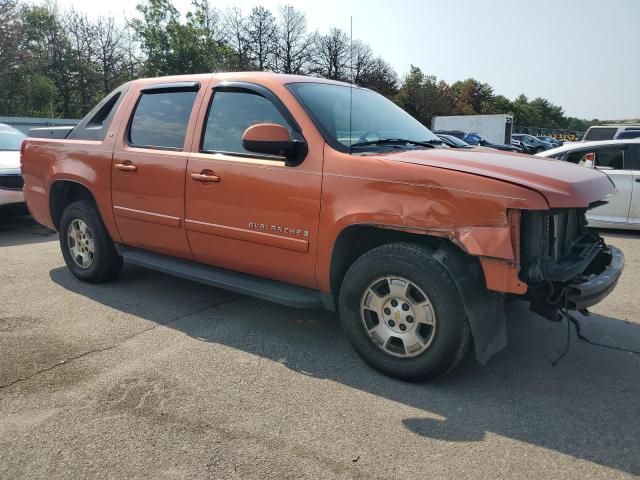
[(424, 97)]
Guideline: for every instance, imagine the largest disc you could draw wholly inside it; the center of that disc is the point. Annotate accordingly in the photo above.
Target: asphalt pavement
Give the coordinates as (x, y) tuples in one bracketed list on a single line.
[(158, 377)]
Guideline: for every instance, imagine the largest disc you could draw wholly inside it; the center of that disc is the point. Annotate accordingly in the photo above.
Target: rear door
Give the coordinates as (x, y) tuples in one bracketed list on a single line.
[(149, 166), (618, 163), (634, 210)]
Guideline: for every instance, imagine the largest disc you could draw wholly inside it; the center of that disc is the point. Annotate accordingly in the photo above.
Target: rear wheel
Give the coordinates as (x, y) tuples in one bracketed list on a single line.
[(403, 314), (86, 245)]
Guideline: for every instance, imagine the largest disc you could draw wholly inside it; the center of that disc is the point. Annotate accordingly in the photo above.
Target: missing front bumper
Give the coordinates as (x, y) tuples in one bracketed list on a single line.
[(585, 294)]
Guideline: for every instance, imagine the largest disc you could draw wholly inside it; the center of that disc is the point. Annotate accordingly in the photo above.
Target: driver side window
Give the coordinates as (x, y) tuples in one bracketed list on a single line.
[(230, 114)]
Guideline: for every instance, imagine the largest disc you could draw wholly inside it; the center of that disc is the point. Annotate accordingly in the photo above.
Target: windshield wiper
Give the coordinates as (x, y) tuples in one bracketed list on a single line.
[(398, 141)]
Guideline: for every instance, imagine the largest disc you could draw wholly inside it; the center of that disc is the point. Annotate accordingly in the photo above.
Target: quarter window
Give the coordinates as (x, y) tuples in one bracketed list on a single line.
[(231, 113), (161, 119)]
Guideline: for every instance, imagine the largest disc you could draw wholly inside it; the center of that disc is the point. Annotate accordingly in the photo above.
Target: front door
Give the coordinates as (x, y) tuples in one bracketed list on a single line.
[(618, 163), (148, 170), (245, 211)]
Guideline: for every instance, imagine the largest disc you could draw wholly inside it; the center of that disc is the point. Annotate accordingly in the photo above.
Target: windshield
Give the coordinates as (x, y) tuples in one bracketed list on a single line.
[(373, 117), (10, 138)]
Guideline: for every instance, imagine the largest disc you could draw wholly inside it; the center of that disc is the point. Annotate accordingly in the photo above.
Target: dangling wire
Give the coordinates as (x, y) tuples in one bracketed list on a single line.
[(576, 324)]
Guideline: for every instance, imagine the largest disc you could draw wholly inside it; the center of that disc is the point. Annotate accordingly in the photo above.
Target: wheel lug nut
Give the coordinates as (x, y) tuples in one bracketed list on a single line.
[(394, 303), (403, 327), (409, 319), (405, 307), (387, 311), (392, 323)]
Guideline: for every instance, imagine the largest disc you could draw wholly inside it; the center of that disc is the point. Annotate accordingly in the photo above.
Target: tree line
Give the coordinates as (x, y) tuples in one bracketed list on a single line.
[(59, 63)]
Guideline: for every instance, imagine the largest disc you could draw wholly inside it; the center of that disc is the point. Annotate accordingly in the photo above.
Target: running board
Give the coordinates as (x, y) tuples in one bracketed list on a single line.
[(271, 290)]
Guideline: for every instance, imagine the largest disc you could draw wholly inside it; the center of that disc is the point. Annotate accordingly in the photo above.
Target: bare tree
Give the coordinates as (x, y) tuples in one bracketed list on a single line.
[(262, 36), (110, 53), (294, 43), (331, 55), (81, 31), (380, 76), (235, 35)]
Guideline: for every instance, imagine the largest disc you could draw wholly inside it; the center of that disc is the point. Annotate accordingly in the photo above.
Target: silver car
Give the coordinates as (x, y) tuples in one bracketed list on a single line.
[(10, 178), (620, 160)]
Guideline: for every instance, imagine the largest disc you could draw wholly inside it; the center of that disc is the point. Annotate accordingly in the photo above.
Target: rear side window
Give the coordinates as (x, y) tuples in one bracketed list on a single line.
[(94, 126), (231, 113), (160, 119), (600, 133)]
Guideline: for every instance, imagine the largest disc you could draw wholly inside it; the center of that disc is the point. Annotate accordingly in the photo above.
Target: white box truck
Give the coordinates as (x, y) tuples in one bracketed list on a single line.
[(496, 128)]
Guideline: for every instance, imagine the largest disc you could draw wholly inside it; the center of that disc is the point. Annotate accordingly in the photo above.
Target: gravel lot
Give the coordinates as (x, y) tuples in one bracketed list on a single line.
[(153, 376)]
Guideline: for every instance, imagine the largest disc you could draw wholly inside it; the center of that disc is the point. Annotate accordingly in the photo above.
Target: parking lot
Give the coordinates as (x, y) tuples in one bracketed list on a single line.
[(160, 377)]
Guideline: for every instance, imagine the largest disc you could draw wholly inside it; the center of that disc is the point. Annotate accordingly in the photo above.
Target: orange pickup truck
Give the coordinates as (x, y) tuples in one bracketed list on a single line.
[(314, 193)]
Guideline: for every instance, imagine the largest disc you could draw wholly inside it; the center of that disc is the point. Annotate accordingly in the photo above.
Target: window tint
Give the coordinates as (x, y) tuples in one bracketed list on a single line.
[(607, 158), (161, 119), (612, 158), (231, 113)]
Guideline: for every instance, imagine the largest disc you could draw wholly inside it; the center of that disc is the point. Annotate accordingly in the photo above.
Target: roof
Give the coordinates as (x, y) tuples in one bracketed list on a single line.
[(586, 145), (616, 125), (262, 77)]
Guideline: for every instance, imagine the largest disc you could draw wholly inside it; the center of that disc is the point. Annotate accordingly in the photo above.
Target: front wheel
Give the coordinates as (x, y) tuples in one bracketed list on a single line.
[(86, 245), (402, 312)]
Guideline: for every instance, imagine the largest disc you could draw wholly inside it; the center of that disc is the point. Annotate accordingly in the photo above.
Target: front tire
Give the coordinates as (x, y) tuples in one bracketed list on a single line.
[(403, 314), (86, 245)]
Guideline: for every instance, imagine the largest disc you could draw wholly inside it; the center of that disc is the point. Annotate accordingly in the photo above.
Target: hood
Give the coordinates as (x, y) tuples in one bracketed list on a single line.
[(9, 159), (563, 184)]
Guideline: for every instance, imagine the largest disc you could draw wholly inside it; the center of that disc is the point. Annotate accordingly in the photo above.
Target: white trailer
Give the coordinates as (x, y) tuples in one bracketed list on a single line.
[(496, 128)]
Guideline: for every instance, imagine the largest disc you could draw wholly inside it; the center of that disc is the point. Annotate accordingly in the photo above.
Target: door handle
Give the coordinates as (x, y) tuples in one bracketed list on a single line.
[(205, 177), (126, 167), (637, 179)]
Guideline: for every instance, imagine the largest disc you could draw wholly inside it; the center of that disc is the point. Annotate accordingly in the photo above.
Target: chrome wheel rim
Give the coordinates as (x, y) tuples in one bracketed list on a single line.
[(80, 243), (398, 316)]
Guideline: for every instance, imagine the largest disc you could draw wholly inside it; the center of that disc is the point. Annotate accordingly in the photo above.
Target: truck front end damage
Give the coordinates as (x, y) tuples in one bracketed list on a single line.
[(565, 265)]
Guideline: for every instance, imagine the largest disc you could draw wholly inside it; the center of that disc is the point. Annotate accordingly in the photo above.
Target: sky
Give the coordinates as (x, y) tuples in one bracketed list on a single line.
[(580, 54)]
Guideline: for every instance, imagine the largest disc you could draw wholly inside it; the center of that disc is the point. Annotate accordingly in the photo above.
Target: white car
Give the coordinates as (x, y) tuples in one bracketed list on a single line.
[(620, 160), (10, 178)]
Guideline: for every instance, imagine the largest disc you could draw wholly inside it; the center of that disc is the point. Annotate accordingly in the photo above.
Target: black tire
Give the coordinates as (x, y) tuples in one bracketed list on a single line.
[(538, 150), (106, 262), (416, 264)]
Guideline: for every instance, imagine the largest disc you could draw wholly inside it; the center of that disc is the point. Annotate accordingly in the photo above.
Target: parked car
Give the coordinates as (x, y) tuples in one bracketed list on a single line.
[(10, 178), (553, 141), (454, 133), (620, 160), (531, 144), (627, 134), (477, 139), (606, 132), (453, 142), (252, 182)]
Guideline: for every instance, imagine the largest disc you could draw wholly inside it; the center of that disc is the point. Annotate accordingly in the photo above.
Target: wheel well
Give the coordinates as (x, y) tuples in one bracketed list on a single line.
[(355, 241), (63, 193)]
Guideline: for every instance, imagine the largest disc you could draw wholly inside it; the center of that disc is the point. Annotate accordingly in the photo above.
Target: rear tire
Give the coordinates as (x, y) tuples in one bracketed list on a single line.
[(86, 245), (417, 335)]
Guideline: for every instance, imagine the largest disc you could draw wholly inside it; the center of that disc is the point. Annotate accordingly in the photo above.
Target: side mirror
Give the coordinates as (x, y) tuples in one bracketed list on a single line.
[(273, 139)]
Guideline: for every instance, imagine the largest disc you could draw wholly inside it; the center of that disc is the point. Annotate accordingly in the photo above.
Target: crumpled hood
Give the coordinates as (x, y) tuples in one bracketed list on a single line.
[(563, 184), (9, 159)]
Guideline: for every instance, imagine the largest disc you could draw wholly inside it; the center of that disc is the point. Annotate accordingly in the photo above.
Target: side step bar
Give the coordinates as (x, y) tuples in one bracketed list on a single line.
[(271, 290)]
